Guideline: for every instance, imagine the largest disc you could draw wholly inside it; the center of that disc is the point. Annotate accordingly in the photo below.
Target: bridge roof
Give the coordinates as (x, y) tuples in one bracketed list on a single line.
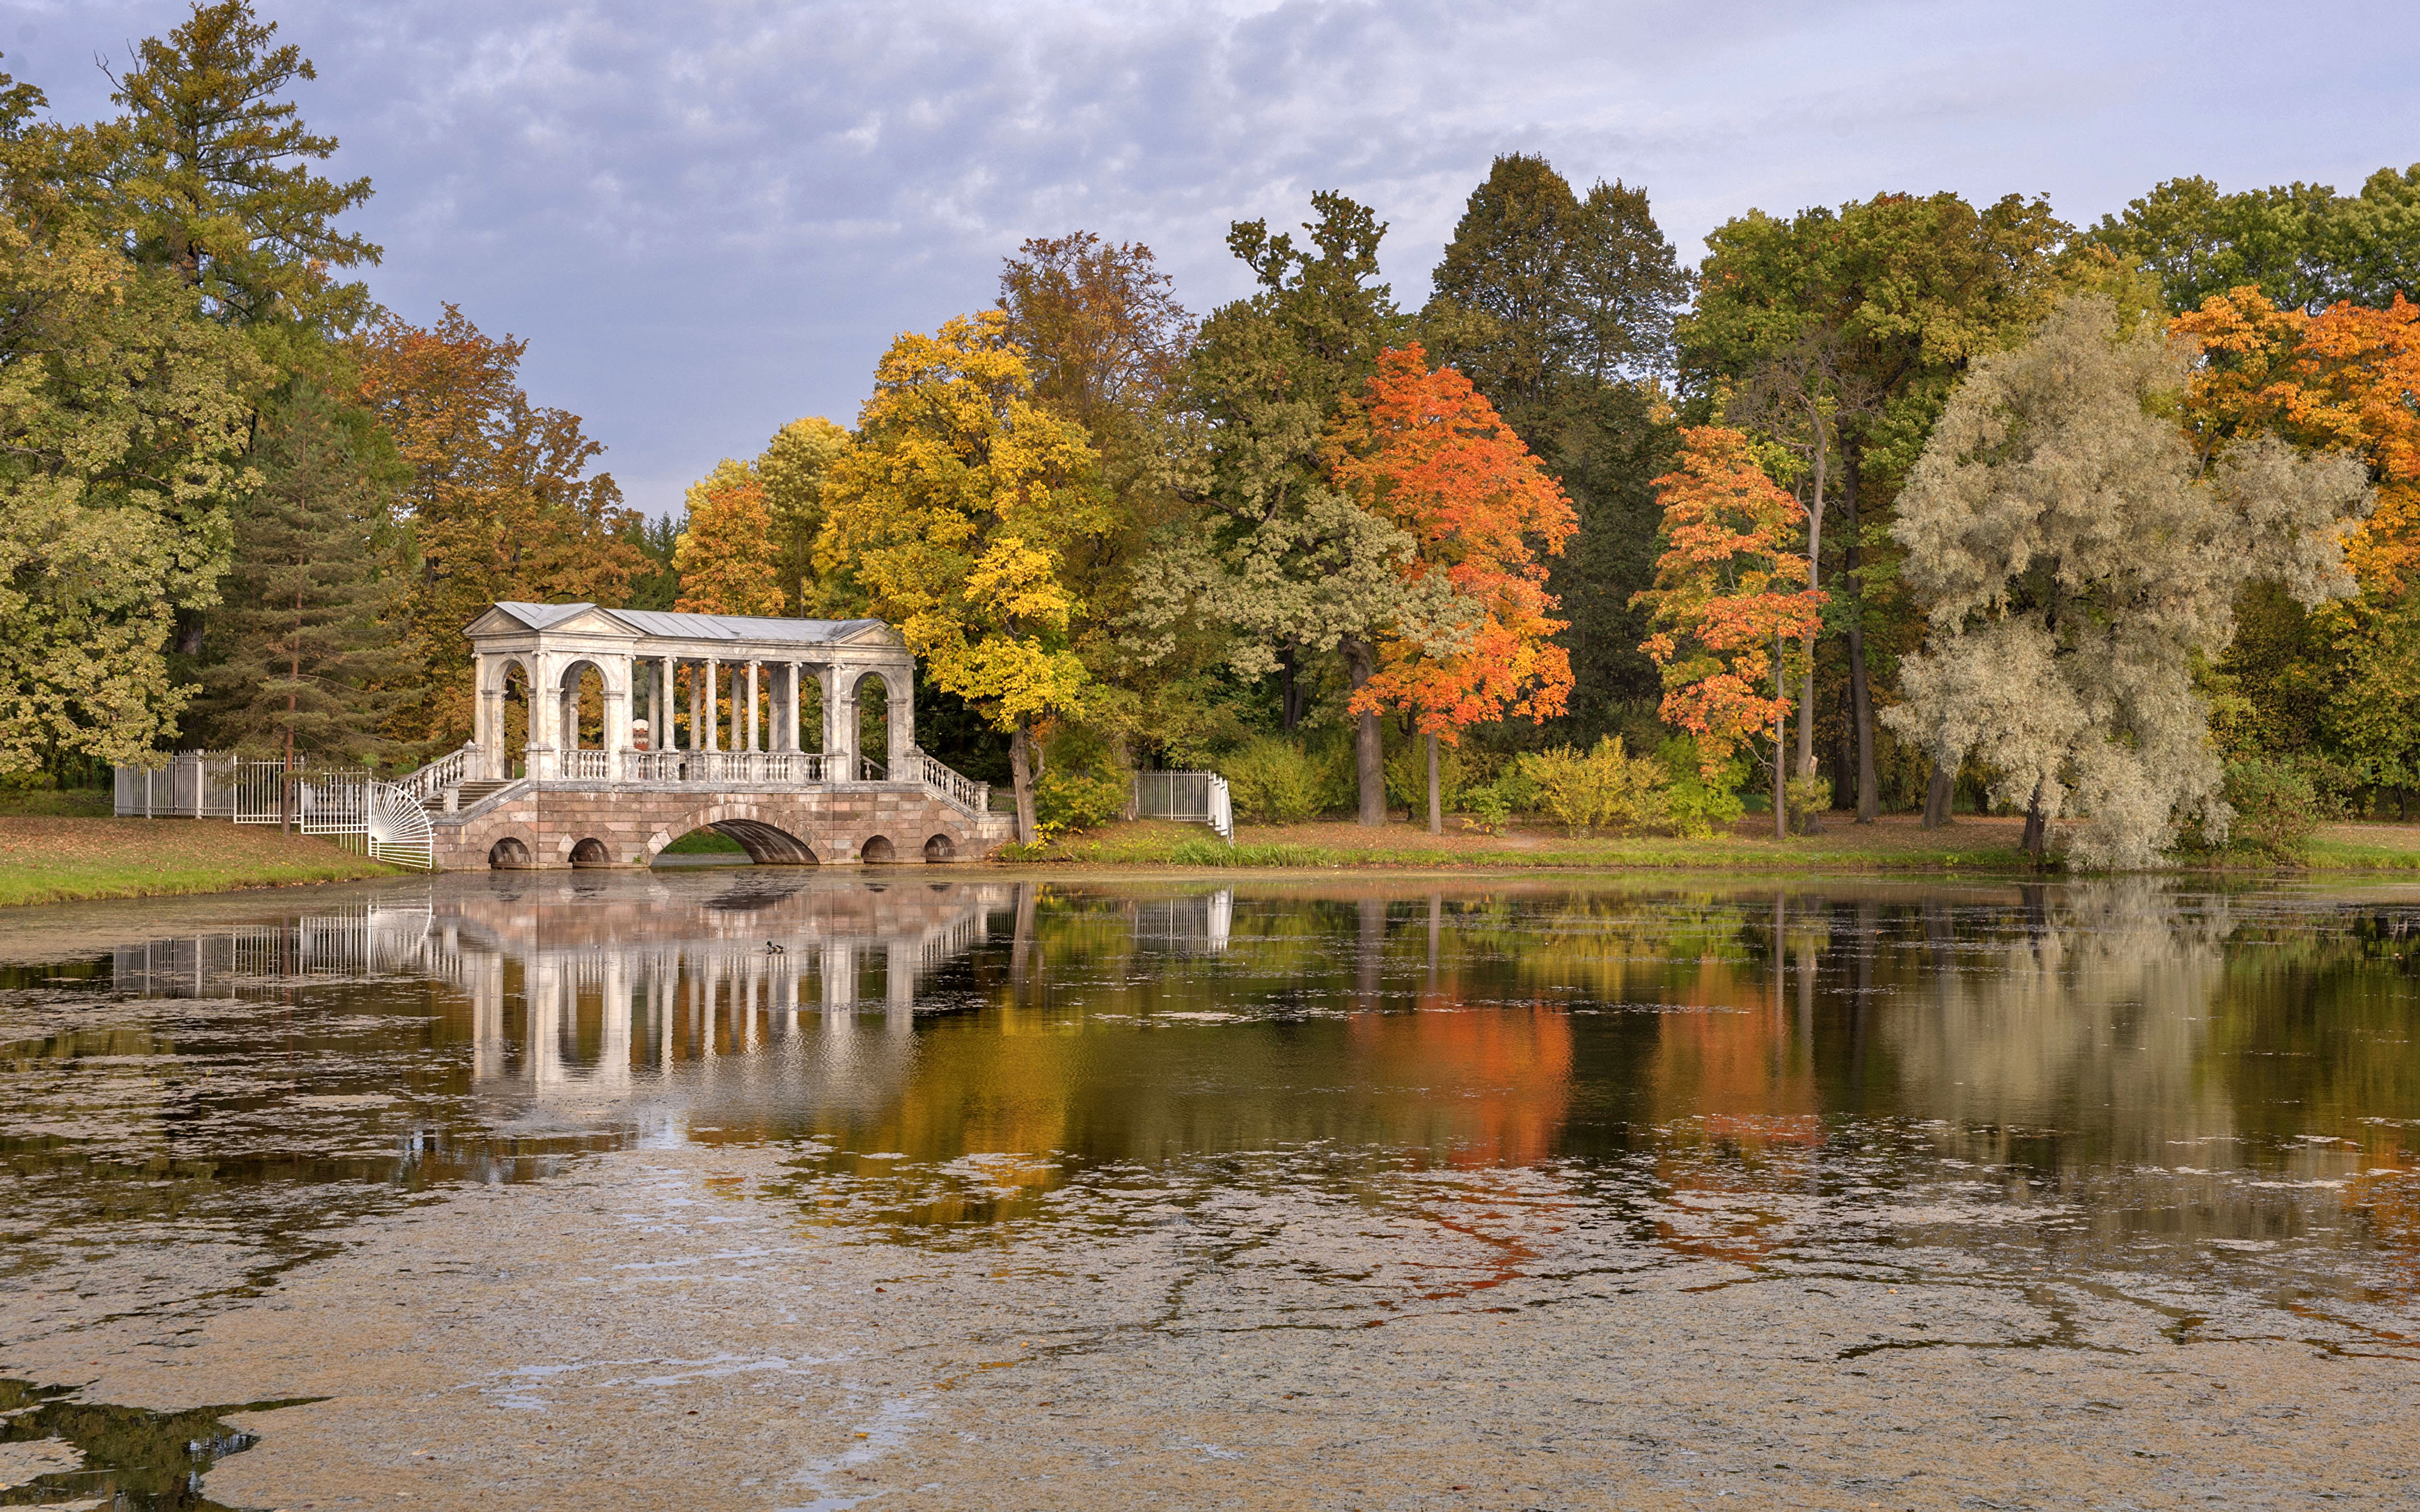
[(666, 624)]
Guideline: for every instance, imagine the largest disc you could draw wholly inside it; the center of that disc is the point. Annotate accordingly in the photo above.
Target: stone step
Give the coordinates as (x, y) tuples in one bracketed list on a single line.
[(467, 795)]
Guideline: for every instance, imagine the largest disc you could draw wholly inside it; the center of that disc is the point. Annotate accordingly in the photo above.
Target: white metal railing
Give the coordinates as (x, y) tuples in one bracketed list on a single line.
[(386, 821), (1189, 797), (216, 784)]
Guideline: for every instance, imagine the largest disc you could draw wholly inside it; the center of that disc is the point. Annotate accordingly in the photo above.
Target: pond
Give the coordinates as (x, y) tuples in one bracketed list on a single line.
[(936, 1187)]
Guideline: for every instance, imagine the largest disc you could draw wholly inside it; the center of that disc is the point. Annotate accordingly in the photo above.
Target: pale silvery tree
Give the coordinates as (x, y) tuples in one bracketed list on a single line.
[(2077, 560)]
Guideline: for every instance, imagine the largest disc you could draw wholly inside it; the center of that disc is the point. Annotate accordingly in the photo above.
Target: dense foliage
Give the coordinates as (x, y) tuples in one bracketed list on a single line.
[(1914, 500)]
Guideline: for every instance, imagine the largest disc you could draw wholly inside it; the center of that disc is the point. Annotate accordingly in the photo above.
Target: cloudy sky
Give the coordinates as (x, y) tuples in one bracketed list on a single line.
[(709, 218)]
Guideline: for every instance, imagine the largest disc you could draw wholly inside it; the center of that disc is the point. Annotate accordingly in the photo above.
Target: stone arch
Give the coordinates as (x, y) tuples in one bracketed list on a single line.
[(571, 687), (871, 695), (771, 834), (766, 845), (877, 848), (941, 848), (591, 852), (510, 853)]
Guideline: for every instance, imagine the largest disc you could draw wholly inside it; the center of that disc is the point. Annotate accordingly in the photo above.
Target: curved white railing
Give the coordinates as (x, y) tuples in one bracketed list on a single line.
[(385, 818)]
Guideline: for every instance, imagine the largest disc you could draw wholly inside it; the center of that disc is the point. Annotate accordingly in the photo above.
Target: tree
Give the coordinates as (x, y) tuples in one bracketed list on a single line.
[(792, 467), (1908, 291), (725, 555), (954, 512), (2303, 246), (2337, 681), (1280, 560), (1729, 591), (307, 661), (1560, 309), (214, 168), (497, 494), (2076, 564), (1427, 450), (123, 412), (1106, 341)]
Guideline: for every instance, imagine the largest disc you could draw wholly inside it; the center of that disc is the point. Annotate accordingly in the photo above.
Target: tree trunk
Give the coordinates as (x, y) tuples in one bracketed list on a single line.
[(1369, 746), (1870, 806), (1020, 775), (1289, 690), (2037, 840), (1436, 797), (1780, 757), (1939, 793), (1814, 563)]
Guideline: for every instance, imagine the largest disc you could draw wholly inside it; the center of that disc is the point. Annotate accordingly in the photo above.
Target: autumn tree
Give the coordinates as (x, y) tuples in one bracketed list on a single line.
[(1425, 449), (1730, 590), (1903, 292), (2077, 564), (792, 467), (2340, 681), (1559, 307), (213, 166), (304, 658), (725, 555), (954, 512), (123, 416), (1106, 340), (1278, 559), (498, 494)]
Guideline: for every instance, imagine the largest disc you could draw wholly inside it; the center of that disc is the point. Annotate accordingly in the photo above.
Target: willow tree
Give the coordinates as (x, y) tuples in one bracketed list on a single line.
[(955, 511), (2078, 561)]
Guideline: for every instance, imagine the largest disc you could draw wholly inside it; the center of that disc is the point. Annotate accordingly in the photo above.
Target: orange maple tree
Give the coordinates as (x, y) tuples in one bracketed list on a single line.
[(1728, 587), (1424, 448), (2344, 380)]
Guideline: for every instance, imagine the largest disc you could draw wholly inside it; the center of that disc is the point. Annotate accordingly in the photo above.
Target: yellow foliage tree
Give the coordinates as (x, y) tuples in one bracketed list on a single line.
[(954, 514), (794, 467), (724, 554)]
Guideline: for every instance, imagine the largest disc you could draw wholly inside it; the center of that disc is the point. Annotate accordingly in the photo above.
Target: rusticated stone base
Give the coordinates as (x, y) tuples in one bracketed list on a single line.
[(563, 824)]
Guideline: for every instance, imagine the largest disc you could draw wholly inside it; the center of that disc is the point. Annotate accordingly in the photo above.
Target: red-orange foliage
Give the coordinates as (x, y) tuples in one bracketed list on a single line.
[(2349, 378), (1725, 592), (1426, 449)]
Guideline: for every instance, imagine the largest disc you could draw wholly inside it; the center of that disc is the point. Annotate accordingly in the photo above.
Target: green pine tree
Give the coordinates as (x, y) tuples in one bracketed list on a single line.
[(304, 657)]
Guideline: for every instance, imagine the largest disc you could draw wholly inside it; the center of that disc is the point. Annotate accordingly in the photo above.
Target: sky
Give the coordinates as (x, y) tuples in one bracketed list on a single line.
[(709, 219)]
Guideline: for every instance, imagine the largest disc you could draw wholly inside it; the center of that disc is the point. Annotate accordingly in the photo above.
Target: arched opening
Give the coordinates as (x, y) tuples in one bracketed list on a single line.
[(508, 854), (941, 848), (591, 852), (877, 848), (873, 723), (516, 716), (583, 692), (811, 710), (737, 842)]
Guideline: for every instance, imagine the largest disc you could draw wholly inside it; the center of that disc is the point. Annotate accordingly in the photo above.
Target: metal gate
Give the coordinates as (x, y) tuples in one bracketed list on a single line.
[(1187, 797)]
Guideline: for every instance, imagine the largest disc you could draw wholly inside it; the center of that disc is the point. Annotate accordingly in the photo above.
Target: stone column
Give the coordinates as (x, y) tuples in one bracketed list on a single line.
[(544, 714), (619, 695), (705, 709), (840, 724), (901, 723), (663, 731), (753, 666), (793, 729)]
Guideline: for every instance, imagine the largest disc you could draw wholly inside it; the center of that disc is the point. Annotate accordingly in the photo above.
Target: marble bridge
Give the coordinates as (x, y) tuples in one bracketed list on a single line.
[(703, 726)]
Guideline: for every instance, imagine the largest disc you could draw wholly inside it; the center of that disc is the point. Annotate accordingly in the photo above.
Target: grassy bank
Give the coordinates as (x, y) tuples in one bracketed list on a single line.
[(63, 860), (1896, 844)]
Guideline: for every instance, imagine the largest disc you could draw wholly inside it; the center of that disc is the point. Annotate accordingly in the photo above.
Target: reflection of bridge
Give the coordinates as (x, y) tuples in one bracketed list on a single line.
[(722, 745), (647, 974)]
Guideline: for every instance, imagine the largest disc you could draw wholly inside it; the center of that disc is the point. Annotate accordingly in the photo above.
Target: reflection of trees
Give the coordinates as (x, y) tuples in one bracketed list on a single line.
[(2087, 1014)]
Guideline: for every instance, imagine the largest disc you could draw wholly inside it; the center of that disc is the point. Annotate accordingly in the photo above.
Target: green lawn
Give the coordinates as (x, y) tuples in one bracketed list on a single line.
[(61, 860), (1896, 844)]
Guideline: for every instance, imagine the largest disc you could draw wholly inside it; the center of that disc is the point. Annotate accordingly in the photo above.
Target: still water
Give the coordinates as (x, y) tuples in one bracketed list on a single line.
[(1843, 1194)]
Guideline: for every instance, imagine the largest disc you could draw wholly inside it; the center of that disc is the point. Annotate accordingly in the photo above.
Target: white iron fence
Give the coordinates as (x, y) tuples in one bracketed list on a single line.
[(385, 821), (1189, 797)]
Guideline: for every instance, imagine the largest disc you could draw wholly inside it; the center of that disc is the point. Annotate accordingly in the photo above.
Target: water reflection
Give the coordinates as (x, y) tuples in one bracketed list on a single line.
[(2123, 1071)]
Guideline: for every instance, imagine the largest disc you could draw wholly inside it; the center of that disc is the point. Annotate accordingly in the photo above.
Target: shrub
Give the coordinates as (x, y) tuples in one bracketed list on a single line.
[(2275, 810), (1489, 812), (1696, 804), (1605, 788), (1273, 781), (1072, 798), (1407, 778), (1807, 798)]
